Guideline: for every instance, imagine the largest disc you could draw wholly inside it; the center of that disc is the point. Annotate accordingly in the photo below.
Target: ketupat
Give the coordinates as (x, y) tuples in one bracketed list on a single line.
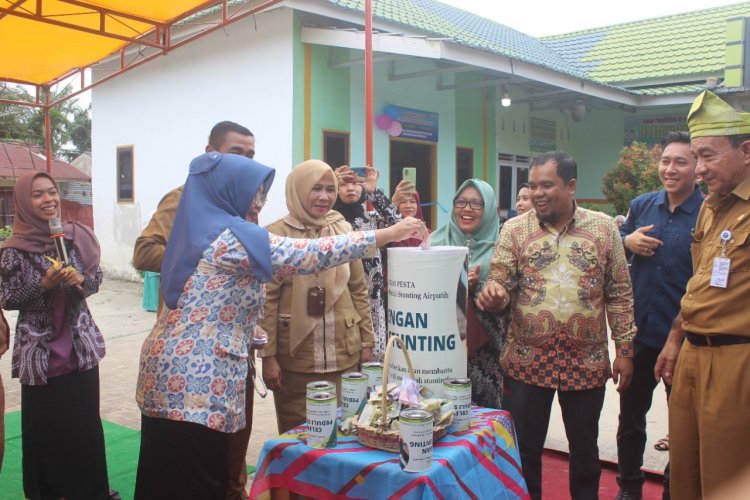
[(57, 264)]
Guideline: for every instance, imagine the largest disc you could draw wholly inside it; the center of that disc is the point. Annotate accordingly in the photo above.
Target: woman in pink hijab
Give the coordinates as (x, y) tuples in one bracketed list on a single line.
[(409, 205)]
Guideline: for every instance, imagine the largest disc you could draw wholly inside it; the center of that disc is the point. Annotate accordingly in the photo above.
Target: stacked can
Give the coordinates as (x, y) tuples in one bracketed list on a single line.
[(353, 393), (321, 420), (458, 392), (321, 386), (374, 371), (415, 440)]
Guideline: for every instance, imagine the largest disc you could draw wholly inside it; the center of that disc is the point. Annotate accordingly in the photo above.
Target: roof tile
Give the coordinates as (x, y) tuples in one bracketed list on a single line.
[(676, 46), (685, 44)]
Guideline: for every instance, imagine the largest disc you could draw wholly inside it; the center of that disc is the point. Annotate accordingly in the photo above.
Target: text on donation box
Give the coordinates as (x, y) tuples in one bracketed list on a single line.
[(427, 310)]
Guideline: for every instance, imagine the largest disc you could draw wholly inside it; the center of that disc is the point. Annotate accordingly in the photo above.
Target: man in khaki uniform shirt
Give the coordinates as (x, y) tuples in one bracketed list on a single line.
[(225, 137), (709, 407)]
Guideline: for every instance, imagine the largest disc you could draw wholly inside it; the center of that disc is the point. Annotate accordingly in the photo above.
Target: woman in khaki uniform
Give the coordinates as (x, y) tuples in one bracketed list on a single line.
[(308, 339)]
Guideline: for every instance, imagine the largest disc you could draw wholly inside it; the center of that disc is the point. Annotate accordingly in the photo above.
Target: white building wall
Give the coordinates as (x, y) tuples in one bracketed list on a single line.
[(166, 108)]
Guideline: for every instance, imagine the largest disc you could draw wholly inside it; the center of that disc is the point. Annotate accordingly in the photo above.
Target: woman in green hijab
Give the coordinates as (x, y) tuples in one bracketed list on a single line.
[(474, 223)]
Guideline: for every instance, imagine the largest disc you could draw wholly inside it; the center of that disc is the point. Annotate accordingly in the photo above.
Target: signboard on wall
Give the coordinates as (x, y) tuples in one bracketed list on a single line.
[(542, 135), (650, 129), (407, 123)]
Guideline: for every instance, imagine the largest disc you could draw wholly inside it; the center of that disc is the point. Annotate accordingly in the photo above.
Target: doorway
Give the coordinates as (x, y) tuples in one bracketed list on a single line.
[(422, 156)]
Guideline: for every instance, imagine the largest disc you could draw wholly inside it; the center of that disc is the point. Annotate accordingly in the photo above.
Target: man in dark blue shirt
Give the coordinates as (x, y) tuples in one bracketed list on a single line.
[(657, 234)]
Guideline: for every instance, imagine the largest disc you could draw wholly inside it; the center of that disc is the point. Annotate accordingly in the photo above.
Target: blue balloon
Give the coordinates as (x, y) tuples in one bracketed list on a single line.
[(391, 111)]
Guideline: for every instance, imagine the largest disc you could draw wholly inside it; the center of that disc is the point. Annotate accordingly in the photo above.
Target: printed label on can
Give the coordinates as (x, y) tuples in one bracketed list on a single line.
[(353, 393), (374, 371), (321, 420), (321, 386), (415, 440), (458, 392)]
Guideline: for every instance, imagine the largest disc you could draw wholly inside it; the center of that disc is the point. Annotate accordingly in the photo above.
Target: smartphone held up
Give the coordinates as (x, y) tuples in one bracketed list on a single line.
[(410, 174)]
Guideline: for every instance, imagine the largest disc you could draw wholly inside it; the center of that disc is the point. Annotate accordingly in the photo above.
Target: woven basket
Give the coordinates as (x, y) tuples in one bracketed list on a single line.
[(378, 437)]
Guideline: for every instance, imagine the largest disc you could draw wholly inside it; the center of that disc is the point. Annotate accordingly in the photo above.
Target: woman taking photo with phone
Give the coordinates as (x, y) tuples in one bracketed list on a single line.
[(354, 192), (409, 205)]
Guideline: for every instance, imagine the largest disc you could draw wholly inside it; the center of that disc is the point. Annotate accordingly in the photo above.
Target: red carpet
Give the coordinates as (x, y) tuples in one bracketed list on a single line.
[(555, 479)]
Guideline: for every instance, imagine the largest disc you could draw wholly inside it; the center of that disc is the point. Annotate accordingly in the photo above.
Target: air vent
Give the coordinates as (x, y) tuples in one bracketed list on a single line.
[(510, 158)]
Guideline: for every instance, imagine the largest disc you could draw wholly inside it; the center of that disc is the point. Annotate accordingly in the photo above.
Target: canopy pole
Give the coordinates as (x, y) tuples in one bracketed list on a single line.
[(368, 83), (47, 129)]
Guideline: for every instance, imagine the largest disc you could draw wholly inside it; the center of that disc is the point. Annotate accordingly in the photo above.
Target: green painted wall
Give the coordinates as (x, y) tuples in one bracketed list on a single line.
[(298, 97), (417, 93), (330, 99), (329, 91), (598, 139), (469, 127), (595, 141), (338, 104), (512, 124)]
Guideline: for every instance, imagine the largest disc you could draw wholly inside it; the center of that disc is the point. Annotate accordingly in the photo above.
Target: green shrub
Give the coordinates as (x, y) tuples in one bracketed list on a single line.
[(636, 173), (606, 208)]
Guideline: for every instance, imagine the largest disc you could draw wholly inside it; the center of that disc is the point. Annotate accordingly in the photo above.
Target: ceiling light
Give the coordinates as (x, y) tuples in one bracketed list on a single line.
[(505, 101)]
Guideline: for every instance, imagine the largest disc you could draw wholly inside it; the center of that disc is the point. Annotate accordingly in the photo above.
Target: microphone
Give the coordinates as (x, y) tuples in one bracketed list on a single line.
[(58, 236)]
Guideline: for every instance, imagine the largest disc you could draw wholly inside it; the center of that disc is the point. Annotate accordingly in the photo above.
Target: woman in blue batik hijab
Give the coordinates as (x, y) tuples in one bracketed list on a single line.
[(193, 366)]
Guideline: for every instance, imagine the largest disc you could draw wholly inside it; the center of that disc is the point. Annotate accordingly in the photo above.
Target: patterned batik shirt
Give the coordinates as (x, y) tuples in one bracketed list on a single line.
[(564, 288), (193, 365), (21, 275), (384, 214)]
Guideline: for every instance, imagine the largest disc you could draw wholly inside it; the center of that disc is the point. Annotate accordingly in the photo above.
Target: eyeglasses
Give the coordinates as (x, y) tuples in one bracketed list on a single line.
[(260, 196), (474, 204)]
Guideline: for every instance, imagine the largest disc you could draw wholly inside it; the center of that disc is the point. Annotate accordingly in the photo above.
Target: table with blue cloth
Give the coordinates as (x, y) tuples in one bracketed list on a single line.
[(481, 463)]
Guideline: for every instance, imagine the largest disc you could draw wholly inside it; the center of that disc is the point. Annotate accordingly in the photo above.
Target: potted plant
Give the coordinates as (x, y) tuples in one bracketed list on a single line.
[(5, 233)]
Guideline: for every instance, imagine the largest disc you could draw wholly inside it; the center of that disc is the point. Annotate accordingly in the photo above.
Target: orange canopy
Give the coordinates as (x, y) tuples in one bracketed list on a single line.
[(43, 40)]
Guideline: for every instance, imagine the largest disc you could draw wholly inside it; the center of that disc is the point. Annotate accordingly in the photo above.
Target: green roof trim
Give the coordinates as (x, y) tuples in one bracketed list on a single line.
[(688, 88)]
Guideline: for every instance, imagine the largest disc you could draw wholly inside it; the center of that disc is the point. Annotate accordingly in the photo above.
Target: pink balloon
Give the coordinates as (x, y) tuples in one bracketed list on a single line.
[(395, 129), (383, 121)]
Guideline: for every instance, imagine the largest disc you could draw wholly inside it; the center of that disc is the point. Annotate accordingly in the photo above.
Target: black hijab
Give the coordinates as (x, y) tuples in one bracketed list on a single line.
[(351, 211)]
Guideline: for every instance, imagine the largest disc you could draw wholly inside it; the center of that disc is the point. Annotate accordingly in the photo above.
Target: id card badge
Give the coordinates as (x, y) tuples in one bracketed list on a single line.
[(720, 272)]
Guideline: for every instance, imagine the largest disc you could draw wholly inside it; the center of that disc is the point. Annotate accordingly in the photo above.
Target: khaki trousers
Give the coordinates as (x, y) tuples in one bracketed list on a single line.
[(290, 401), (709, 417)]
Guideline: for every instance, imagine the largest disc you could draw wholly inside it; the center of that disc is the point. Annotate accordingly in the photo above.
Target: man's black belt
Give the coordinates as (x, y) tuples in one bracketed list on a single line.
[(715, 340)]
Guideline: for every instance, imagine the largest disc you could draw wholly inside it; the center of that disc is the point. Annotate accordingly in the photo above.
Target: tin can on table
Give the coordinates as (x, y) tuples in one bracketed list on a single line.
[(374, 371), (321, 386), (458, 392), (415, 440), (321, 420), (353, 393)]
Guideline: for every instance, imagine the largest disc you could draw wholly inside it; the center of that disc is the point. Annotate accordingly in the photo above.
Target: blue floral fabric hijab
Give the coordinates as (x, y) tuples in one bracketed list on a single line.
[(218, 193)]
